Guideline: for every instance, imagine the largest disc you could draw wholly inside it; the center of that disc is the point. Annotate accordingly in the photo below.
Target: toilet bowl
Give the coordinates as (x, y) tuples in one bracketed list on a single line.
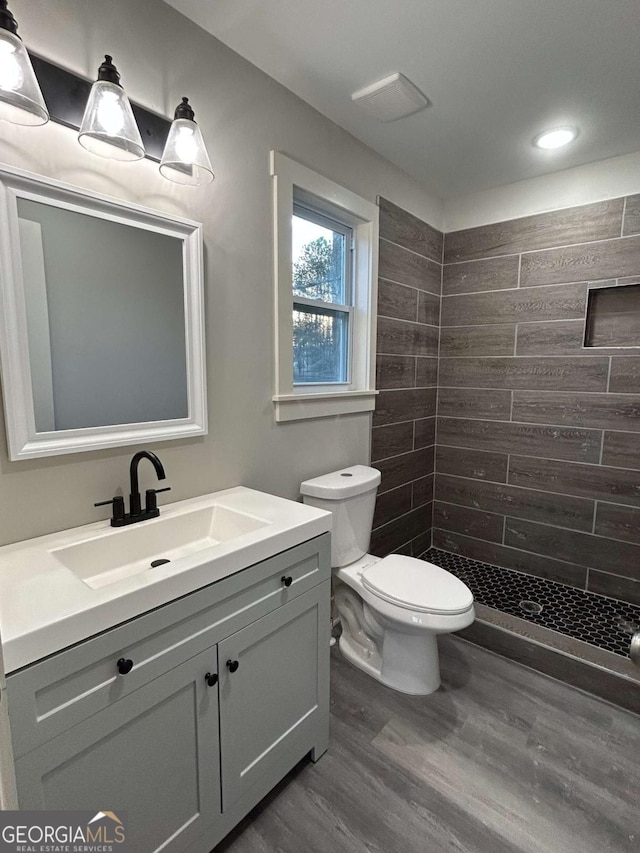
[(391, 609)]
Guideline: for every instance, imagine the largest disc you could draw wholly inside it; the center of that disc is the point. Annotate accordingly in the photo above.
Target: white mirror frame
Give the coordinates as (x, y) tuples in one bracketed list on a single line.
[(22, 439)]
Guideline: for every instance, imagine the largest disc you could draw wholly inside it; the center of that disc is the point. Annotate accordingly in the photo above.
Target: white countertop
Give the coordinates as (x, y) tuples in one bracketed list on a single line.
[(45, 607)]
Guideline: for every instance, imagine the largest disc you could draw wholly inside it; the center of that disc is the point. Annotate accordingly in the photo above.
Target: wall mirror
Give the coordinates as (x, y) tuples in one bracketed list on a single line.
[(102, 326)]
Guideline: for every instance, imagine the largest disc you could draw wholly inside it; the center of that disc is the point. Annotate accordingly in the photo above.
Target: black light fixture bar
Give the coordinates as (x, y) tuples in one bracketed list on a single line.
[(66, 96)]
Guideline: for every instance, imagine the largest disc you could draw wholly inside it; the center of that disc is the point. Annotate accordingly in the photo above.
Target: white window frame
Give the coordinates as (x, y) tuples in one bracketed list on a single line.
[(297, 402)]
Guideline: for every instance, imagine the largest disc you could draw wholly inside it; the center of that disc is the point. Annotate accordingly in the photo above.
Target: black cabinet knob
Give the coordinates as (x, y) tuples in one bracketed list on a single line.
[(124, 666), (287, 580), (232, 665), (211, 679)]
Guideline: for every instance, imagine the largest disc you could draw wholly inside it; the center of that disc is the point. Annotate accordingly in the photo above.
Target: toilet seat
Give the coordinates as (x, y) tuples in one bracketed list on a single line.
[(416, 585)]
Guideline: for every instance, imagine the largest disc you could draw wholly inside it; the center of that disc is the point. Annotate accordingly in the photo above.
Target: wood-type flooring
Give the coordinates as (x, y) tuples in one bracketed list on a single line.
[(501, 759)]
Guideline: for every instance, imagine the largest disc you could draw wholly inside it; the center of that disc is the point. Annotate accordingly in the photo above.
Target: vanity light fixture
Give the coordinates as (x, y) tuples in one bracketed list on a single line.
[(108, 126), (555, 138), (21, 100), (185, 159)]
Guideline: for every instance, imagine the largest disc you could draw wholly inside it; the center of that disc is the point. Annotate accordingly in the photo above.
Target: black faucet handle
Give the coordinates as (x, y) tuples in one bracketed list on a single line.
[(151, 502), (118, 507)]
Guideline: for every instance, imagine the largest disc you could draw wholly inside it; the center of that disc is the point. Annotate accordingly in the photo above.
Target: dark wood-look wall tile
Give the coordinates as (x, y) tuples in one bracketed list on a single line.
[(407, 230), (603, 411), (405, 267), (405, 550), (425, 433), (410, 405), (562, 337), (632, 216), (391, 504), (470, 522), (400, 337), (477, 340), (625, 375), (597, 221), (395, 371), (595, 552), (397, 300), (579, 445), (476, 464), (421, 543), (511, 558), (618, 522), (571, 512), (422, 491), (568, 374), (403, 434), (590, 481), (401, 530), (474, 403), (472, 276), (391, 440), (587, 262), (404, 469), (566, 302), (428, 308), (426, 372), (621, 450), (614, 586)]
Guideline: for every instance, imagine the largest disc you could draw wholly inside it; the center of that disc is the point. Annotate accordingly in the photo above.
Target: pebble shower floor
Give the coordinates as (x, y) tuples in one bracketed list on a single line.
[(586, 616)]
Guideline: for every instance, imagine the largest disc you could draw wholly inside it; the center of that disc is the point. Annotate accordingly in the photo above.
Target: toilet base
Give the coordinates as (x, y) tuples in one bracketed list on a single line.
[(408, 664)]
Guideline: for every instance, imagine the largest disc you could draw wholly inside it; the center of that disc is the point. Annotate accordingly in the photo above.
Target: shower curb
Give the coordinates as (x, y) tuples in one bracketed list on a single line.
[(596, 671)]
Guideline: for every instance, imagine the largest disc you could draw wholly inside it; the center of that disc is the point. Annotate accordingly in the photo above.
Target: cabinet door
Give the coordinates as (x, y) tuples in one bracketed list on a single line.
[(274, 704), (154, 754)]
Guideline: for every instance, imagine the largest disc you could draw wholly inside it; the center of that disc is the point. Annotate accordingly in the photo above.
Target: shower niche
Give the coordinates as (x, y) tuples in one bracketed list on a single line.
[(613, 316)]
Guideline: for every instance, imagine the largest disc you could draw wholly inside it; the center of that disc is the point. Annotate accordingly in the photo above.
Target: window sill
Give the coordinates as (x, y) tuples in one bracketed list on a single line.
[(298, 407)]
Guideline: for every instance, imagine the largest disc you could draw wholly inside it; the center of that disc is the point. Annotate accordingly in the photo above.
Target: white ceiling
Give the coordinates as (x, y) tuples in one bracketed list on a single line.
[(497, 72)]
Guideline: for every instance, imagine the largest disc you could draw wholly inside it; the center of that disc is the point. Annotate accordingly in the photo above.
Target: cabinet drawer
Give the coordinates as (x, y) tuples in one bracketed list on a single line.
[(61, 691)]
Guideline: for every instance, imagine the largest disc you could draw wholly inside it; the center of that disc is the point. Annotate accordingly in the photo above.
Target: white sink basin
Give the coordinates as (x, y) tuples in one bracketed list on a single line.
[(61, 588), (123, 552)]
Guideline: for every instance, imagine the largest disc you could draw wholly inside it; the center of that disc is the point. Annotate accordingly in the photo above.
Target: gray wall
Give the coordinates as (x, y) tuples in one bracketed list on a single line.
[(403, 434), (243, 114), (538, 439)]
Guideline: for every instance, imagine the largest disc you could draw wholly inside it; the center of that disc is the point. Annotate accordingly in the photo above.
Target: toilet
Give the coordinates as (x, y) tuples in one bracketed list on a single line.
[(391, 609)]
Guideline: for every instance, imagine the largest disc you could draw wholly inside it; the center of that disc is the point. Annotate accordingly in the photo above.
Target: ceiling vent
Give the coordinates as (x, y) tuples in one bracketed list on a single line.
[(391, 98)]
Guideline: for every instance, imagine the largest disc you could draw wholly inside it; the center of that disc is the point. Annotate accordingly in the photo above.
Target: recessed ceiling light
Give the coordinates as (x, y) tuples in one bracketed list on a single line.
[(555, 138)]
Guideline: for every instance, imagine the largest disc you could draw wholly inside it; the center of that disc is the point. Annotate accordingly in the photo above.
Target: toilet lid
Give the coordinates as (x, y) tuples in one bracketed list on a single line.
[(417, 585)]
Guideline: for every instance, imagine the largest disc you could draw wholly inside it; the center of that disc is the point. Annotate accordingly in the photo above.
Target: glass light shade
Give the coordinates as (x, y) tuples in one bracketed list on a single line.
[(21, 100), (185, 159), (108, 126)]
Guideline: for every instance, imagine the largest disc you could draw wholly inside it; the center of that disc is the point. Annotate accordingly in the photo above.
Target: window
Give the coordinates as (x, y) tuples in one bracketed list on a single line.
[(325, 274), (322, 305)]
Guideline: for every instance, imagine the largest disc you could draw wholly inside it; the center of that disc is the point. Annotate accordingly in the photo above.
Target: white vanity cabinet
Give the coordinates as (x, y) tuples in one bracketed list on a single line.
[(227, 690)]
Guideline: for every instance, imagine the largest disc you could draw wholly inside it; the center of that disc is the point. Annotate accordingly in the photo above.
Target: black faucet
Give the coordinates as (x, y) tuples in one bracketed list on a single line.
[(136, 513)]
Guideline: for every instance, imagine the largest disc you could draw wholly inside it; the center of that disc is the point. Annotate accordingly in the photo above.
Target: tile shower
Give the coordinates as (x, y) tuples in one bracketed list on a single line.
[(537, 455)]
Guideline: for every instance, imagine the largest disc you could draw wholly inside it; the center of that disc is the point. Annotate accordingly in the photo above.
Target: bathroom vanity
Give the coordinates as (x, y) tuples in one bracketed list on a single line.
[(209, 684)]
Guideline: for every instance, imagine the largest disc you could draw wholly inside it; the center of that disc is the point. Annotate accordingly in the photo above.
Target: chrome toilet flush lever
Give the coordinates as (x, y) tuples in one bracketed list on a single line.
[(120, 518)]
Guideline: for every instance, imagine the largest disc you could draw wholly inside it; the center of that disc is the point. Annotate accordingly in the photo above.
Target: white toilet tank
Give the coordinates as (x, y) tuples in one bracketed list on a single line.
[(350, 495)]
